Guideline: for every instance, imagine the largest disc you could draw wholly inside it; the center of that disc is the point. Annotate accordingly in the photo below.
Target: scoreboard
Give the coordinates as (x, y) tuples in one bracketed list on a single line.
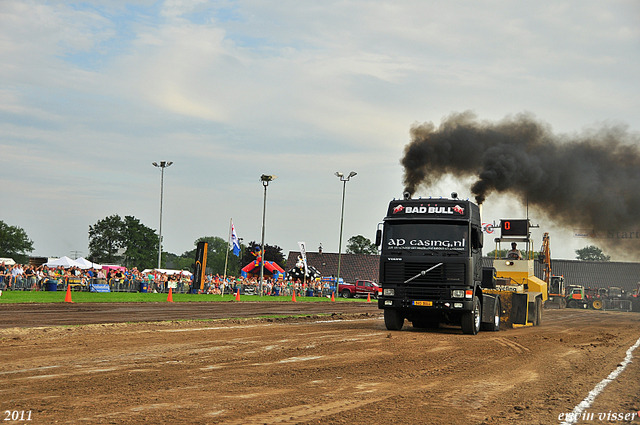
[(519, 228)]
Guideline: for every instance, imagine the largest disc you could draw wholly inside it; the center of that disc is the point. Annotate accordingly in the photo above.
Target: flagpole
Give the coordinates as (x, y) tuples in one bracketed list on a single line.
[(226, 258)]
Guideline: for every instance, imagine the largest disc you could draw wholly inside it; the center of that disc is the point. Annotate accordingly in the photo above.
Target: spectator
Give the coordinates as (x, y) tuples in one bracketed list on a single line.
[(17, 276), (30, 278)]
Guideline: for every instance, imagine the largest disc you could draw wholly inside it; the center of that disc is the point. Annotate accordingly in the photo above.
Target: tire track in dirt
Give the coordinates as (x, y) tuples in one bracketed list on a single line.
[(302, 413), (518, 348), (308, 371)]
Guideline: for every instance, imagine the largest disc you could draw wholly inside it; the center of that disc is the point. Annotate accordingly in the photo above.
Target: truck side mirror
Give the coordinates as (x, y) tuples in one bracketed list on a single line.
[(477, 238), (378, 237)]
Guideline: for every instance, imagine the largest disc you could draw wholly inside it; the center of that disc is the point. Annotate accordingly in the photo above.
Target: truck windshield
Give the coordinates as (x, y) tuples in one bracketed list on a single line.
[(422, 237)]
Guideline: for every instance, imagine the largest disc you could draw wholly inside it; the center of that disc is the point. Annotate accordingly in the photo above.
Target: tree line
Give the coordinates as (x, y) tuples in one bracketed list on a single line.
[(128, 242)]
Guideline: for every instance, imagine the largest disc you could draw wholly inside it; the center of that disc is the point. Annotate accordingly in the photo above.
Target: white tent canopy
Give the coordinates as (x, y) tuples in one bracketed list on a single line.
[(65, 262), (86, 264), (169, 272)]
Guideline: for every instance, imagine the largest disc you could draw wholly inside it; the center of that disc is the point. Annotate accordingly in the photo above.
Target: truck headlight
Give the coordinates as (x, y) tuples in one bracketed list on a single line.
[(389, 292), (457, 293)]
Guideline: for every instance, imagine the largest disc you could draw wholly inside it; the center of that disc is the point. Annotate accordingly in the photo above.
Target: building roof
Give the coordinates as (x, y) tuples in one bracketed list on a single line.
[(352, 266), (590, 274)]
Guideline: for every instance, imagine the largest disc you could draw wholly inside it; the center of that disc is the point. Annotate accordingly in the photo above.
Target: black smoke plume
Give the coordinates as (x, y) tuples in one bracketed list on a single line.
[(589, 180)]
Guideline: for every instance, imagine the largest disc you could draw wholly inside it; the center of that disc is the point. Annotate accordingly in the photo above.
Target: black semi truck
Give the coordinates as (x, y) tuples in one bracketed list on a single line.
[(431, 265)]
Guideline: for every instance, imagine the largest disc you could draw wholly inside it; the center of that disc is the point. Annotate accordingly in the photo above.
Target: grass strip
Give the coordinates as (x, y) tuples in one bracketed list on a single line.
[(138, 297)]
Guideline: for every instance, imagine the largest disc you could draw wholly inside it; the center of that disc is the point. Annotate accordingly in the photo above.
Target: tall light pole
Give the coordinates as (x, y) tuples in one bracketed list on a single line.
[(162, 166), (344, 179), (265, 179)]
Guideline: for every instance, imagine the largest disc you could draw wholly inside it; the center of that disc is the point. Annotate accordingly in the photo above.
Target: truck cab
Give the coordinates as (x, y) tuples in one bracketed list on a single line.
[(431, 263), (557, 292), (576, 298)]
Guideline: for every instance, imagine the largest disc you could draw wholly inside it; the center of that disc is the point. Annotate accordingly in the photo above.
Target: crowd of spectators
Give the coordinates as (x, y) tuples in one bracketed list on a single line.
[(251, 286), (33, 278), (36, 278)]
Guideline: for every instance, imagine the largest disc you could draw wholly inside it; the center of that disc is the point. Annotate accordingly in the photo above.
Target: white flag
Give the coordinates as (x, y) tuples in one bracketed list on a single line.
[(303, 253)]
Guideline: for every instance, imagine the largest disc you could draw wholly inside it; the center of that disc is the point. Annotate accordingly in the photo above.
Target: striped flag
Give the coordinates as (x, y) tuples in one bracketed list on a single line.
[(235, 243)]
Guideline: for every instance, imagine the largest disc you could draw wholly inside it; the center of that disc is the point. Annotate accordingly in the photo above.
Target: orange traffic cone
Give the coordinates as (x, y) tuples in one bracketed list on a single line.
[(368, 298), (170, 297), (293, 298), (238, 295), (333, 298), (67, 298)]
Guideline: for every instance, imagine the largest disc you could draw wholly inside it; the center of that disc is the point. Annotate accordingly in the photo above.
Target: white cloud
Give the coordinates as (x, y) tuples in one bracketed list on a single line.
[(93, 92)]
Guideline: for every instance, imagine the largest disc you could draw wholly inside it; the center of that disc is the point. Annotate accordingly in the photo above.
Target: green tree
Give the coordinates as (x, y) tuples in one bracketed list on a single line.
[(140, 243), (591, 253), (502, 253), (178, 262), (361, 245), (14, 243), (123, 241), (106, 239), (217, 251)]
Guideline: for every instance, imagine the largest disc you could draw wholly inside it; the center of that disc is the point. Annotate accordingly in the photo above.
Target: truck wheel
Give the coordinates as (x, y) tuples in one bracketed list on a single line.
[(345, 293), (393, 320), (572, 304), (596, 304), (495, 325), (471, 319)]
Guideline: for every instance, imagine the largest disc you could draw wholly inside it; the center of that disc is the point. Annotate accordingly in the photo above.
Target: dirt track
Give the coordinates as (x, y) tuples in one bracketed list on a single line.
[(348, 369), (30, 315)]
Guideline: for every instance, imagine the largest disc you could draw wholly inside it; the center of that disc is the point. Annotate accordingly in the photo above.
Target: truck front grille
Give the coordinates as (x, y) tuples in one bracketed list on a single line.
[(425, 293), (449, 273)]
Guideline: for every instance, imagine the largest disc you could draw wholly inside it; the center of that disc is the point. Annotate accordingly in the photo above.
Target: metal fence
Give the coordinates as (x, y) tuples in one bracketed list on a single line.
[(20, 283), (619, 305), (135, 285), (279, 291)]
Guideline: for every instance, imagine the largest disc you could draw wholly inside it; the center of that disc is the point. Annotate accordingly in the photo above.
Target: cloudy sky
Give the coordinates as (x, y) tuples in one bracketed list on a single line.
[(93, 92)]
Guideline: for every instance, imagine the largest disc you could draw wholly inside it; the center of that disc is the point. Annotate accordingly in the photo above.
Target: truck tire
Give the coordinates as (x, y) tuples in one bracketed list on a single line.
[(393, 319), (471, 319), (345, 293), (572, 304), (495, 325), (596, 304)]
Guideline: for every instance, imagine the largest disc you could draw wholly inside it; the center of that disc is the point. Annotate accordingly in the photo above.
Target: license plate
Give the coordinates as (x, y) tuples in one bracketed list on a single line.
[(423, 303)]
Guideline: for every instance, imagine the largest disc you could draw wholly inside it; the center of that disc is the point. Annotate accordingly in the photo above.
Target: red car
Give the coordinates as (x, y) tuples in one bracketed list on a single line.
[(362, 288)]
